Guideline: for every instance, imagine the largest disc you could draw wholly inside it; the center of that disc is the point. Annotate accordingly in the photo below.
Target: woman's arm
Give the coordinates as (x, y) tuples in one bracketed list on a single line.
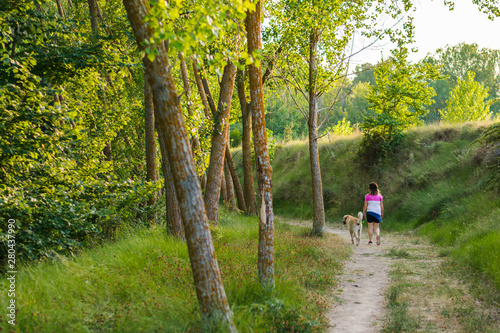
[(382, 208), (364, 209)]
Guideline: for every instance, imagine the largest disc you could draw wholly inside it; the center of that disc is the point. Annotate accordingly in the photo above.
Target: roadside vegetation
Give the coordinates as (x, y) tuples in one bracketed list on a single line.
[(143, 283)]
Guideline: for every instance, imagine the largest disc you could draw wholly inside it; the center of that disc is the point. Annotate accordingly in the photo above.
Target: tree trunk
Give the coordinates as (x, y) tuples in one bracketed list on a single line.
[(149, 128), (223, 188), (246, 147), (264, 171), (219, 135), (173, 212), (212, 299), (317, 187), (209, 96), (201, 90), (107, 152), (94, 16), (231, 199), (236, 180), (195, 142), (60, 8)]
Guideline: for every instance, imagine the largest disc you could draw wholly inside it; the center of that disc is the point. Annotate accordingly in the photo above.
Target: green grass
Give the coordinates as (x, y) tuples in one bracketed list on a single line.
[(143, 283), (399, 318), (398, 252)]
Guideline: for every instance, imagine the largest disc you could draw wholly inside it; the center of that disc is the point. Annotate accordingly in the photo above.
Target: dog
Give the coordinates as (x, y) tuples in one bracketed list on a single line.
[(355, 226)]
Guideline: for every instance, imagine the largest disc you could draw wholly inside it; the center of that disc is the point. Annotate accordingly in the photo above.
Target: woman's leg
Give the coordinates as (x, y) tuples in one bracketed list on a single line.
[(370, 231), (377, 232)]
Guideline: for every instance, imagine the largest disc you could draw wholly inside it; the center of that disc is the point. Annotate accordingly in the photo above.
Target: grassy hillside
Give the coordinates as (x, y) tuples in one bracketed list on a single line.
[(435, 184)]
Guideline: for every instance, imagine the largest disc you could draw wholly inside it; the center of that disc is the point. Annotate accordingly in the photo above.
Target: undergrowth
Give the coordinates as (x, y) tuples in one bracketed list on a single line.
[(143, 283)]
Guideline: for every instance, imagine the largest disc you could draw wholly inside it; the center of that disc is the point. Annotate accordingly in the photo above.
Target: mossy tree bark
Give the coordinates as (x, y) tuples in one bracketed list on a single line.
[(264, 170), (149, 128), (210, 292)]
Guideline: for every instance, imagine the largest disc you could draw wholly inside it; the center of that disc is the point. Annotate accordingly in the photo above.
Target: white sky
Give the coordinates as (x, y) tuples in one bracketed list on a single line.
[(436, 27)]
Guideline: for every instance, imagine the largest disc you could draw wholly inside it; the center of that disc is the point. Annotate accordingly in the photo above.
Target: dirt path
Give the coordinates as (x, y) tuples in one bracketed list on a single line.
[(361, 307), (427, 294)]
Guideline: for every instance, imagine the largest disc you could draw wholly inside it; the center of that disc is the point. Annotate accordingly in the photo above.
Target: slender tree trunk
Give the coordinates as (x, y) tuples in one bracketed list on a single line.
[(94, 23), (60, 8), (264, 171), (206, 109), (246, 147), (201, 90), (209, 96), (173, 212), (231, 199), (219, 135), (317, 187), (70, 4), (212, 299), (149, 127), (236, 180), (223, 187), (195, 141)]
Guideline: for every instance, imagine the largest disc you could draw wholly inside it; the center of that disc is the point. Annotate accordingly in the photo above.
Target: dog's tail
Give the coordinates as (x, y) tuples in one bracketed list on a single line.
[(360, 217)]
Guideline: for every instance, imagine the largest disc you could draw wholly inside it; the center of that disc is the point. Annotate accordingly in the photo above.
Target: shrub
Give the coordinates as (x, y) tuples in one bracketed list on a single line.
[(467, 102)]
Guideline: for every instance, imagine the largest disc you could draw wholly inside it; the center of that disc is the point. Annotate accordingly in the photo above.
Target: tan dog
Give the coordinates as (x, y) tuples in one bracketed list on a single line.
[(355, 226)]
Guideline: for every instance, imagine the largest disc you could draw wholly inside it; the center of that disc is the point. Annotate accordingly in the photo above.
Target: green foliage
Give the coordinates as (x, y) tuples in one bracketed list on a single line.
[(106, 288), (467, 102), (341, 128), (381, 137), (399, 99), (235, 136), (206, 29), (64, 95), (455, 62), (356, 107)]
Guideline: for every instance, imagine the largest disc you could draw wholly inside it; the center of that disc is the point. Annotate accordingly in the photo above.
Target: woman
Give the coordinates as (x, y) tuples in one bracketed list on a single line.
[(374, 211)]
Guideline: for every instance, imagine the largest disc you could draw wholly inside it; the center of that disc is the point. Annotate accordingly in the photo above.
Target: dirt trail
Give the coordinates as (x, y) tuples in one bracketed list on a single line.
[(361, 307)]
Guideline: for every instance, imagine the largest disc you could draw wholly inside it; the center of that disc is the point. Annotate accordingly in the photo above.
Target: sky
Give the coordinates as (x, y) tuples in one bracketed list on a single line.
[(436, 26)]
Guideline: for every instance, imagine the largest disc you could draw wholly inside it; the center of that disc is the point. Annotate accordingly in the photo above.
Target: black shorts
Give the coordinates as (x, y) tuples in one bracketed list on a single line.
[(372, 219)]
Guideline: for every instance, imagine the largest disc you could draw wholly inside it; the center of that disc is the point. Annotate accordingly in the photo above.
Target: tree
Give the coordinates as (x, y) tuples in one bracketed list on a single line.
[(246, 145), (264, 171), (219, 142), (58, 112), (209, 289), (467, 102), (399, 98), (149, 128)]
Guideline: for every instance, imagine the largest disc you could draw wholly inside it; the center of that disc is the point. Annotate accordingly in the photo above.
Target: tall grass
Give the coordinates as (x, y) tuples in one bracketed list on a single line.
[(143, 283)]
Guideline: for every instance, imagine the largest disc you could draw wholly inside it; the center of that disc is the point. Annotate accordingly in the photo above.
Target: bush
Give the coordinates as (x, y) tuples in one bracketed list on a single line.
[(382, 136)]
